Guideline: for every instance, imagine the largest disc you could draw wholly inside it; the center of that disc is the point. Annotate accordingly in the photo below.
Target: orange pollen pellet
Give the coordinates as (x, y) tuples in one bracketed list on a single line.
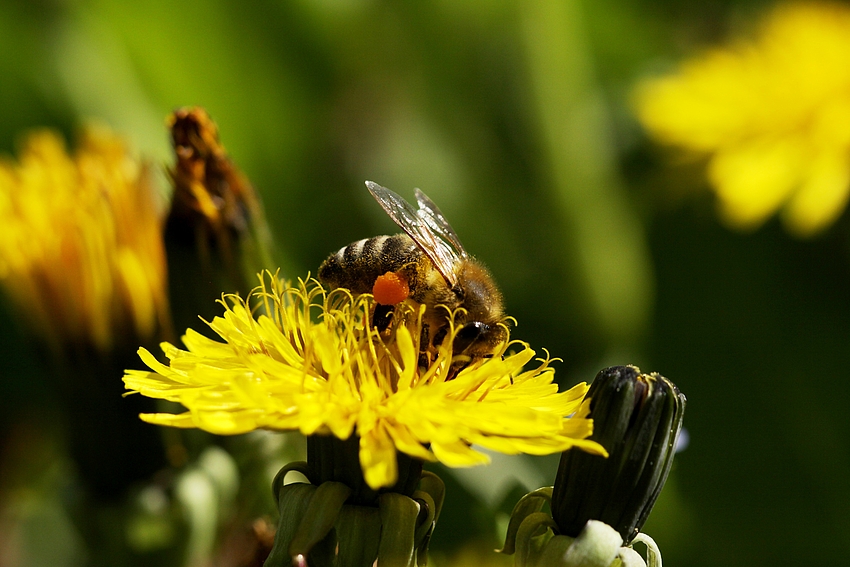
[(391, 288)]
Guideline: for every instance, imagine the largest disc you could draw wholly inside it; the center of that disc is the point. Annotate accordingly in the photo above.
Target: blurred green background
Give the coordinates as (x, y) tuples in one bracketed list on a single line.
[(515, 117)]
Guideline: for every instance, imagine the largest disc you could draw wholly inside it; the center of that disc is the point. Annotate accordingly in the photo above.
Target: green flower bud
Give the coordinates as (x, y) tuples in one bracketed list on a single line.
[(637, 418)]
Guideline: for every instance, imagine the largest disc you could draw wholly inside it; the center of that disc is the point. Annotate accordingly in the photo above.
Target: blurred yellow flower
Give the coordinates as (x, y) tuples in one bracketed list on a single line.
[(81, 249), (313, 363), (772, 114)]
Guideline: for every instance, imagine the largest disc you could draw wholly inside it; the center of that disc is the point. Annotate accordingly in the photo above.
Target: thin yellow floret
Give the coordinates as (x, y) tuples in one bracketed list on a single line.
[(300, 358)]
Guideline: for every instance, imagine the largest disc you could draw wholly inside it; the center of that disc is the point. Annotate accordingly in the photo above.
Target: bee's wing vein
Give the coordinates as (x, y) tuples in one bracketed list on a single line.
[(427, 227)]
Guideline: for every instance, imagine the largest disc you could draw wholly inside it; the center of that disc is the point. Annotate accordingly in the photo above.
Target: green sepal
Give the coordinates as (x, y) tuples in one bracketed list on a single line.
[(531, 503), (422, 549), (588, 499), (534, 533), (433, 485), (280, 477), (653, 554), (358, 534), (398, 519), (427, 513), (553, 553), (664, 447), (320, 517), (320, 525), (293, 501), (645, 444)]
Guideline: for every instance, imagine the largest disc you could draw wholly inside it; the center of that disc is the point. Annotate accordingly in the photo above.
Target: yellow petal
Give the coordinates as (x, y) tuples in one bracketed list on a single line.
[(378, 459), (822, 196)]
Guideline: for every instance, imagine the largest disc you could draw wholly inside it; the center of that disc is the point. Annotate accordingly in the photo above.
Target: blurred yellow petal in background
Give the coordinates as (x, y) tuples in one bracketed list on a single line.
[(773, 115), (81, 250)]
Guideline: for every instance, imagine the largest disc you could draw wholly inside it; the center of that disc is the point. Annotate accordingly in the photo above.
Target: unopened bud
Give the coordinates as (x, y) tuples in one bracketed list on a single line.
[(637, 418)]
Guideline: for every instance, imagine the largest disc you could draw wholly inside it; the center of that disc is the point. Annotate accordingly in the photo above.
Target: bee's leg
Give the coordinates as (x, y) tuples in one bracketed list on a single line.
[(457, 366), (382, 317), (440, 336), (424, 346), (424, 338)]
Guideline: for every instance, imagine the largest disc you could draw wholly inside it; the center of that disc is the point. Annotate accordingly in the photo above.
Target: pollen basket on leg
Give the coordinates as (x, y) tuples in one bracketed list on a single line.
[(391, 288)]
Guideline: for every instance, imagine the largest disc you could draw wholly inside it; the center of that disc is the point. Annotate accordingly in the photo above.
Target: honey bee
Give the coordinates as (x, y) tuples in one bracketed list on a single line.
[(427, 264)]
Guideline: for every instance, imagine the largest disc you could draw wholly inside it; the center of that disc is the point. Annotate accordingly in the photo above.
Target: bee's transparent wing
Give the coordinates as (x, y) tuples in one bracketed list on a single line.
[(433, 217), (418, 226)]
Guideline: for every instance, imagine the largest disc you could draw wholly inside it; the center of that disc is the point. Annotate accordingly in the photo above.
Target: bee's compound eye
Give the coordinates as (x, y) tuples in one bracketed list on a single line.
[(470, 333), (390, 289)]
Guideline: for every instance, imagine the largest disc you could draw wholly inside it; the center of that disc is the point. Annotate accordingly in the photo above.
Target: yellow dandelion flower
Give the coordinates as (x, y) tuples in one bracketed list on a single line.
[(81, 249), (773, 115), (312, 362)]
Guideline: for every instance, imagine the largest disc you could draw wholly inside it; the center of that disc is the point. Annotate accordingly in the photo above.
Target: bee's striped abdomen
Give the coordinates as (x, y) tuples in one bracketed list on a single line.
[(357, 266)]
